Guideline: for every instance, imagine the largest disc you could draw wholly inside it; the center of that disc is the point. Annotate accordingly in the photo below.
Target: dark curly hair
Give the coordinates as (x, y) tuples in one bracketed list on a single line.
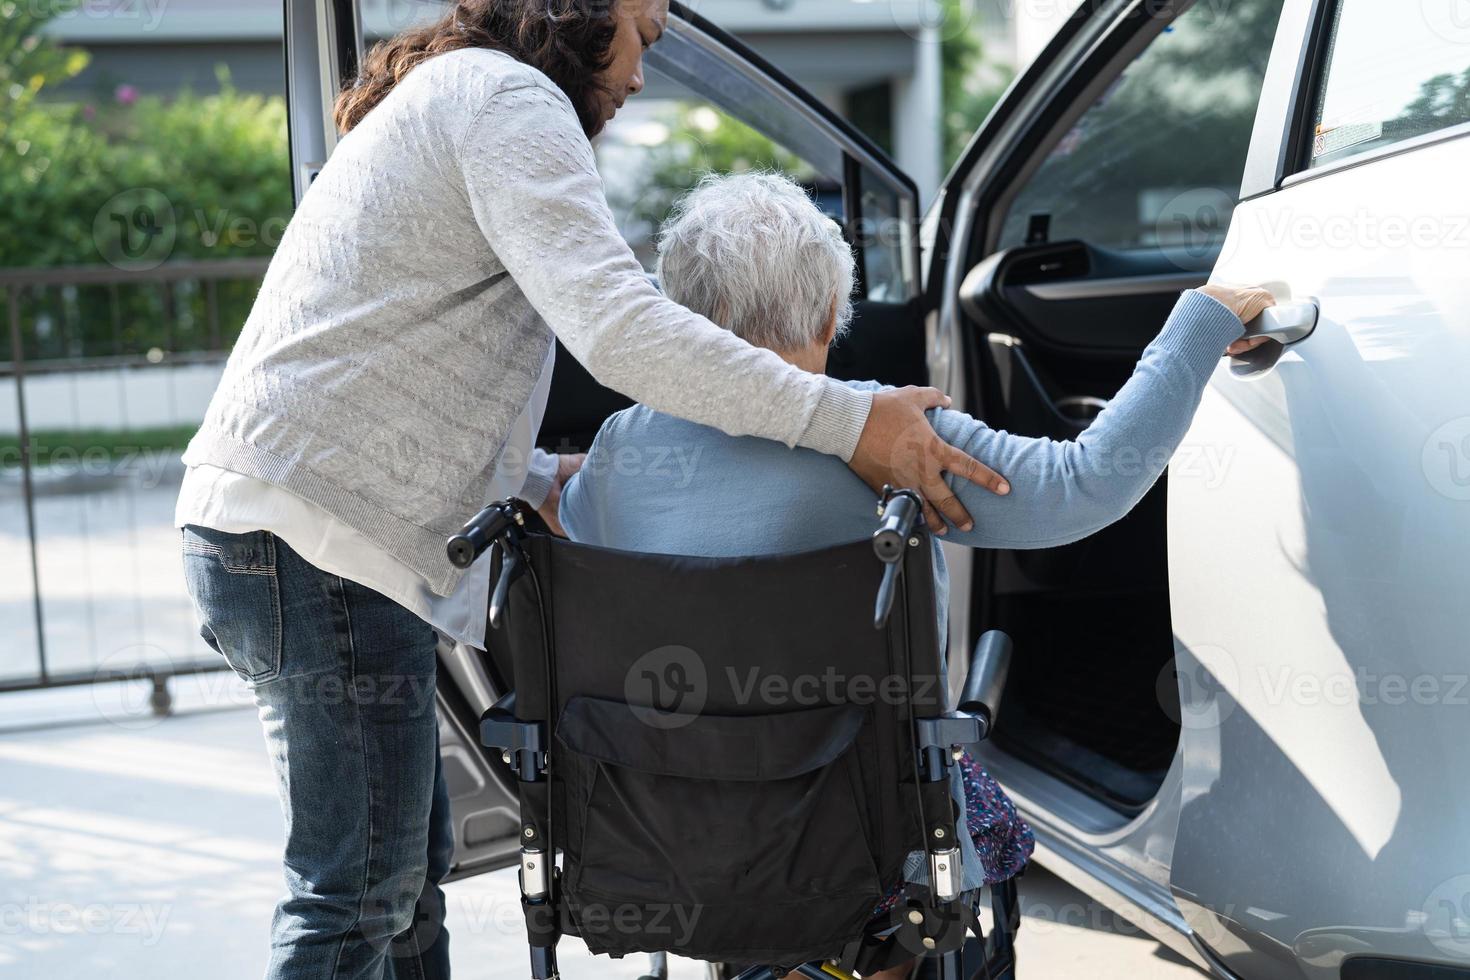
[(568, 40)]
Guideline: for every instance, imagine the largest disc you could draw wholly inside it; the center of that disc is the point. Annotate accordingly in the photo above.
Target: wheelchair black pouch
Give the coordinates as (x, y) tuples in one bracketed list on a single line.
[(704, 835)]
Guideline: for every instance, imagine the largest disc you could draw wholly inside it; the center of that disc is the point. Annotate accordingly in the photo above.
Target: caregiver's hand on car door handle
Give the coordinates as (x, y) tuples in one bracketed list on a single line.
[(900, 447)]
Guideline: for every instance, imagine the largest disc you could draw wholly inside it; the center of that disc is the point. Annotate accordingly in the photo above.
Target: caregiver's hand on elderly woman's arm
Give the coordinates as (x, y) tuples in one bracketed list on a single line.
[(901, 448)]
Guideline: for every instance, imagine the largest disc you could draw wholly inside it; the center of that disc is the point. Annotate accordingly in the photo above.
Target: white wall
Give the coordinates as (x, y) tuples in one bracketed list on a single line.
[(128, 398)]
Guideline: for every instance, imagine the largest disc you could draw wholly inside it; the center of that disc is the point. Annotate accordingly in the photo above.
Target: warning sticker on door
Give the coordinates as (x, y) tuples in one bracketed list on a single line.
[(1330, 139)]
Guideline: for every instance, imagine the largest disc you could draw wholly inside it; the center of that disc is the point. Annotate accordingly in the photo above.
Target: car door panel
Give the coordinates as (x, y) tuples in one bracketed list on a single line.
[(1072, 298), (1322, 579)]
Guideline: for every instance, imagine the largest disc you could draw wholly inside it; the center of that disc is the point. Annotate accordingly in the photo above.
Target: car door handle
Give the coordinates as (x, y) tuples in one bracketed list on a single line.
[(1286, 322)]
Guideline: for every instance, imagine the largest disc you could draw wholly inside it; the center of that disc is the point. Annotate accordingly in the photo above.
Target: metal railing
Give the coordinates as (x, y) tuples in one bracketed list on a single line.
[(126, 341)]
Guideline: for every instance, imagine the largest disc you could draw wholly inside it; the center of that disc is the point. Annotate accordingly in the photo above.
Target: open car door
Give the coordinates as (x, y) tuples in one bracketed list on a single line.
[(701, 70), (1100, 187)]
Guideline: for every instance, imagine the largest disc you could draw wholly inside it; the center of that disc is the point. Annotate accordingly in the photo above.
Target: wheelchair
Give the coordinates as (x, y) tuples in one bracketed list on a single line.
[(735, 757)]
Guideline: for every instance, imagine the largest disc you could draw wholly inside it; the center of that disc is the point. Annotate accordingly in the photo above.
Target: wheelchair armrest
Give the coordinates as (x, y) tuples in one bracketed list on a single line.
[(985, 683), (951, 729), (523, 742)]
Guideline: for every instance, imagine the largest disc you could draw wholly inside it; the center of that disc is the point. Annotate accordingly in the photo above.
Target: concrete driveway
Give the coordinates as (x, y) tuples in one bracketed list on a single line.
[(138, 847)]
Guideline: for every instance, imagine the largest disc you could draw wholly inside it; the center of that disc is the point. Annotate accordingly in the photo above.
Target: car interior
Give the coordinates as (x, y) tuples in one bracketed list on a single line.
[(1082, 245)]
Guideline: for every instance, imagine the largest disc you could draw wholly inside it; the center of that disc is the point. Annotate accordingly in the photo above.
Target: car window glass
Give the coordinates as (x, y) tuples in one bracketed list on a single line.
[(1156, 161), (883, 236), (657, 148), (1390, 75)]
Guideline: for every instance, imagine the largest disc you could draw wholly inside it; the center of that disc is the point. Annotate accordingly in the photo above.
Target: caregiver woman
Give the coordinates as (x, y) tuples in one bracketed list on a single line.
[(391, 378)]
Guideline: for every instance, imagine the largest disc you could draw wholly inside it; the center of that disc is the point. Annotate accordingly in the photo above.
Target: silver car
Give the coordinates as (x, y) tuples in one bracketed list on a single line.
[(1235, 716)]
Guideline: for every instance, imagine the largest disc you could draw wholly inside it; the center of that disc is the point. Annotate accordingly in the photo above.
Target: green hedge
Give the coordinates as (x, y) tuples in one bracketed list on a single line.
[(132, 181), (205, 177)]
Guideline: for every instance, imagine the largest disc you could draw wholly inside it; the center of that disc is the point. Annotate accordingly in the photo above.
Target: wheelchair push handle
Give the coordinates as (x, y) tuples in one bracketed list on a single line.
[(989, 664), (898, 512), (481, 531), (897, 515)]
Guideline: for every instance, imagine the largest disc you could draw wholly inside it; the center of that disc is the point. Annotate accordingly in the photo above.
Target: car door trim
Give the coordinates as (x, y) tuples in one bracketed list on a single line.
[(1274, 144), (1382, 153), (1111, 288), (780, 85), (323, 45)]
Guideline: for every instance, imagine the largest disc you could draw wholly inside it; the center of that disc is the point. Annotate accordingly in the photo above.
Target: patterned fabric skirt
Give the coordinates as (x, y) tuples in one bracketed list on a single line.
[(1002, 839)]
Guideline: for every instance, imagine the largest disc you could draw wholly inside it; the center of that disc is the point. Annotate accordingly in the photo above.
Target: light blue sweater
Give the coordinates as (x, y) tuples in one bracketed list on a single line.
[(655, 483)]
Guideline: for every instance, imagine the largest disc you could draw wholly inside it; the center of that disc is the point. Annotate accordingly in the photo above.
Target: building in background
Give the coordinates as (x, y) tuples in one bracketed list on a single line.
[(875, 61)]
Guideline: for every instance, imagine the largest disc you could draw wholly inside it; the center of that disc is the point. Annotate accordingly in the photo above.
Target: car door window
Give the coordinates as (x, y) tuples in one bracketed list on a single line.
[(657, 148), (1156, 161), (884, 245), (1389, 76)]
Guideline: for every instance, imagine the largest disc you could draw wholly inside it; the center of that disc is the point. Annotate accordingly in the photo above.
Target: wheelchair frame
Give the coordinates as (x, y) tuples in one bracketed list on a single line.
[(925, 929)]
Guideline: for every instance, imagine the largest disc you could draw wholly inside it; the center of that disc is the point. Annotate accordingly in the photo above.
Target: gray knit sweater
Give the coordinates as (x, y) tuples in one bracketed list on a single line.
[(406, 314)]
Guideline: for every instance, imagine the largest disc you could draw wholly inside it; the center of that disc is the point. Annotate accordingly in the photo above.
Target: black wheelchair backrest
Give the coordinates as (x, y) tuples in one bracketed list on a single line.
[(729, 744)]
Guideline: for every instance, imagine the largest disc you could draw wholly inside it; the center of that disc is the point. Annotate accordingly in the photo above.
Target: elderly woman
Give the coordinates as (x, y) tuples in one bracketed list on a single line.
[(754, 255)]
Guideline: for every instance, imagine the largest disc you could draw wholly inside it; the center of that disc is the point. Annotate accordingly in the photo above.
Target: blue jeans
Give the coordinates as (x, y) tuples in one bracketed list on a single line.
[(344, 680)]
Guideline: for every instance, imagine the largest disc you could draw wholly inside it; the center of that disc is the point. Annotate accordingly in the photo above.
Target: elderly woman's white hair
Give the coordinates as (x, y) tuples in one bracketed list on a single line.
[(752, 253)]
